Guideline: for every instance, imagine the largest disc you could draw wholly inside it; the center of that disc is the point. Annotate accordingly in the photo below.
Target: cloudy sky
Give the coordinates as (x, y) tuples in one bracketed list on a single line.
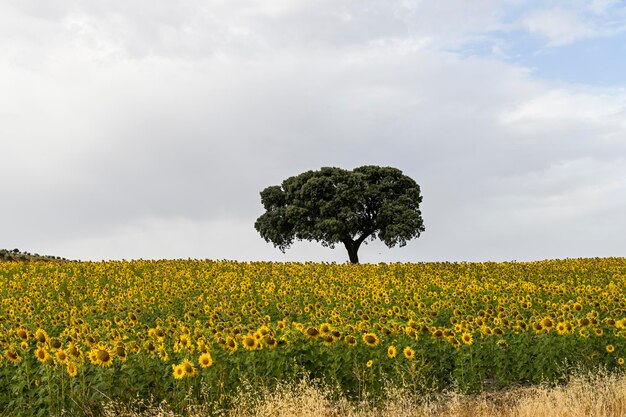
[(146, 129)]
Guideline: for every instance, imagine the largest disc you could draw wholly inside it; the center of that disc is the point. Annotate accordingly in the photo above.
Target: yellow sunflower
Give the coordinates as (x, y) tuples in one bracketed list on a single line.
[(104, 355), (250, 342), (188, 368), (408, 352), (41, 336), (350, 340), (312, 332), (42, 355), (370, 339), (22, 333), (13, 356), (205, 360), (71, 369), (178, 371)]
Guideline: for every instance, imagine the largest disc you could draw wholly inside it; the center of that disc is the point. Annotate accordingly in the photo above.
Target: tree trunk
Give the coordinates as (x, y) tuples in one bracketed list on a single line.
[(353, 248)]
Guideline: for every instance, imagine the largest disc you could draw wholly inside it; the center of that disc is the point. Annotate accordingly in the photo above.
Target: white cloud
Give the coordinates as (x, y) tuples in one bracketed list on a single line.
[(558, 25), (148, 131)]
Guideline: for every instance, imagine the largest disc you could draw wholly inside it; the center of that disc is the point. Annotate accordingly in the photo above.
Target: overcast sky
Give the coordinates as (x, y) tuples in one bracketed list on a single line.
[(146, 129)]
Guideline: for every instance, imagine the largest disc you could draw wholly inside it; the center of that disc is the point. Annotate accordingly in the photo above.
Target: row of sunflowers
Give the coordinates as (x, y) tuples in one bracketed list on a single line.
[(73, 334)]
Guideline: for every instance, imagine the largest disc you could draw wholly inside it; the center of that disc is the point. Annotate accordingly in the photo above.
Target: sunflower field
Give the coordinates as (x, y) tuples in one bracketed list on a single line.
[(74, 334)]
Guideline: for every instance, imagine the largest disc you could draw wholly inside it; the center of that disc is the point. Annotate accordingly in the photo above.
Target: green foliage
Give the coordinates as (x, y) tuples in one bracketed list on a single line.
[(334, 206)]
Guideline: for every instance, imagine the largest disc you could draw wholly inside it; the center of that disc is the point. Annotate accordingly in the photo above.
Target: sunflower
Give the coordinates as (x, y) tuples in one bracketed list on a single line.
[(231, 344), (502, 344), (188, 368), (312, 332), (104, 356), (13, 356), (370, 339), (150, 347), (42, 355), (93, 357), (162, 353), (205, 360), (325, 328), (547, 323), (598, 331), (134, 347), (249, 342), (408, 352), (610, 348), (71, 369), (454, 342), (60, 357), (270, 341), (73, 351), (350, 340), (41, 336), (120, 352), (369, 363), (22, 333), (328, 340), (467, 338), (562, 328), (178, 371), (620, 361), (392, 352), (55, 344)]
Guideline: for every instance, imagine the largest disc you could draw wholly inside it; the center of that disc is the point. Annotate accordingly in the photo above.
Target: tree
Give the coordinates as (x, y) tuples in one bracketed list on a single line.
[(334, 206)]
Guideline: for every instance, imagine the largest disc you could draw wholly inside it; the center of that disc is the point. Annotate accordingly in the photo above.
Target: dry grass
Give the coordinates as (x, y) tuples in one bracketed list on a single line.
[(596, 395)]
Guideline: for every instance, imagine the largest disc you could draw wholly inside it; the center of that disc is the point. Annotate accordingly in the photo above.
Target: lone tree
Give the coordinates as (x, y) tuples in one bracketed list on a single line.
[(334, 206)]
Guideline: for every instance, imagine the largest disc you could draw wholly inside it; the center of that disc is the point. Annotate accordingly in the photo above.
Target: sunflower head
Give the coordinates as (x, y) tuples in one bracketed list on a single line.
[(13, 355), (42, 355), (41, 336), (350, 340), (408, 352), (103, 355), (188, 368), (370, 339), (71, 369), (205, 360), (178, 371), (22, 333), (250, 342), (312, 332)]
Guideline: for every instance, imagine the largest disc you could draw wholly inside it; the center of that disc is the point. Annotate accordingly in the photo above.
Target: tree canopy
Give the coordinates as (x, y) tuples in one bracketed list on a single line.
[(334, 205)]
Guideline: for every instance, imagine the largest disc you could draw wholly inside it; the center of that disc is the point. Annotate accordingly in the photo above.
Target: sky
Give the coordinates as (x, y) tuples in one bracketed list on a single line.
[(147, 128)]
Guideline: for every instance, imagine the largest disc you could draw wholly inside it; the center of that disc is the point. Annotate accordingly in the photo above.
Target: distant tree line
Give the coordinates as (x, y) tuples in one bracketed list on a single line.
[(18, 256)]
